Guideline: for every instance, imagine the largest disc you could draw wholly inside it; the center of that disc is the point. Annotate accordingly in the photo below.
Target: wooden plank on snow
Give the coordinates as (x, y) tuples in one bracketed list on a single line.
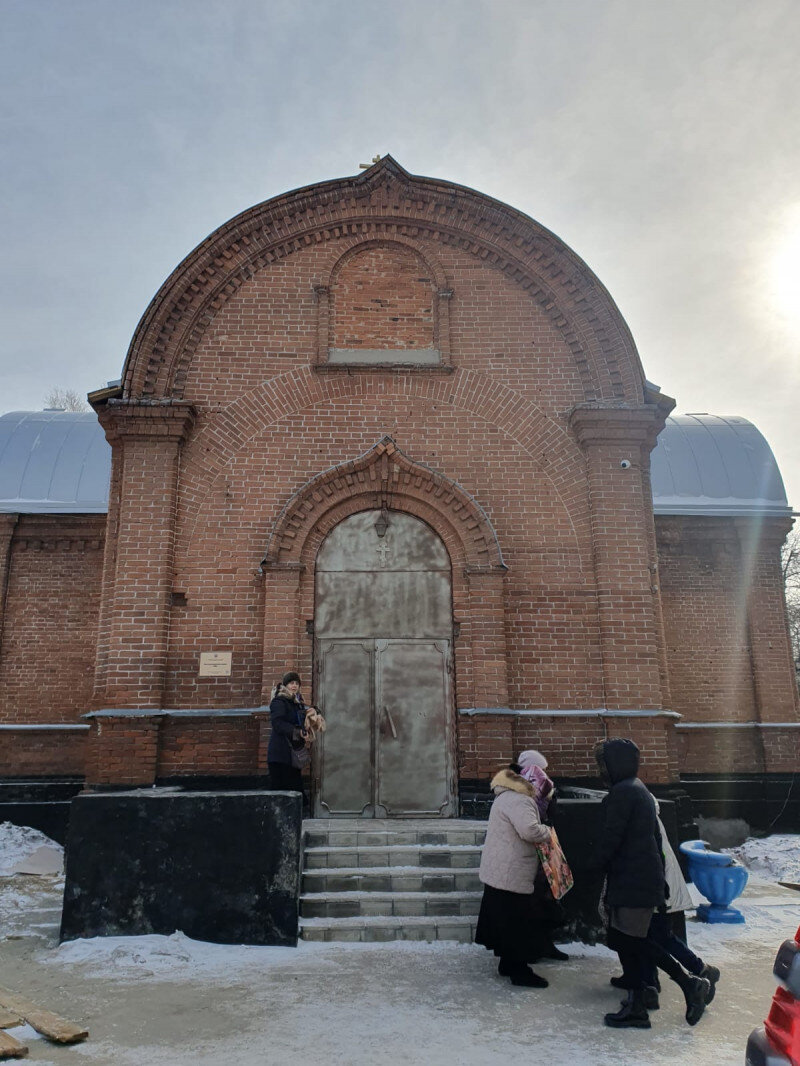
[(11, 1048), (8, 1019), (43, 1021)]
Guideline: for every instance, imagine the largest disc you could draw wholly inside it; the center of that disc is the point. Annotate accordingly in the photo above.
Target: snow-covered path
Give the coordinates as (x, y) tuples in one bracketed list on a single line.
[(170, 1001)]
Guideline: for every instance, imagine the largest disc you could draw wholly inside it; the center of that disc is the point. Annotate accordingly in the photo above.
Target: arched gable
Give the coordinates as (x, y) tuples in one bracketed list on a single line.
[(384, 202)]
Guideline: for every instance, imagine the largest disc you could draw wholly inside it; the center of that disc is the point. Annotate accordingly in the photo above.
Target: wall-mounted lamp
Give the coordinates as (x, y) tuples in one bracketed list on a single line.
[(382, 523)]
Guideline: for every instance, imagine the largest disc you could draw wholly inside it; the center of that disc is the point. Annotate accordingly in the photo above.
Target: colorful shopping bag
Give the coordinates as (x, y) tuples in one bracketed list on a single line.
[(555, 866)]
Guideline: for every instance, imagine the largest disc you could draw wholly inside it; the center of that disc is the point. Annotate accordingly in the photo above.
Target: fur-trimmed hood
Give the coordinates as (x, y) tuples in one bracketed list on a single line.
[(283, 693), (507, 780)]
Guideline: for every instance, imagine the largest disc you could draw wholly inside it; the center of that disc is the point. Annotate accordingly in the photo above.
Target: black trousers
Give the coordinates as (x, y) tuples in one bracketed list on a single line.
[(639, 956)]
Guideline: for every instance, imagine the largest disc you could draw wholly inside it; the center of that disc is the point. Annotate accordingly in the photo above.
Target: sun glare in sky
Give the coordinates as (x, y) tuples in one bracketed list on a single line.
[(784, 270)]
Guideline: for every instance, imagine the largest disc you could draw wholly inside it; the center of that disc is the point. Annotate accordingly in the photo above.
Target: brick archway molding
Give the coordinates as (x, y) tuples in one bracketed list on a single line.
[(385, 477), (381, 478)]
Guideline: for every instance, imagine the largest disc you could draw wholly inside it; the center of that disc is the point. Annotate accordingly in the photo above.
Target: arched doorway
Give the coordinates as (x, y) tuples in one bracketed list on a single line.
[(383, 636)]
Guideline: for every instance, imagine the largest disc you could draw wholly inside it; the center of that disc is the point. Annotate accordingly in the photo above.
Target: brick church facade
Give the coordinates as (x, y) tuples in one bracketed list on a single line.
[(393, 434)]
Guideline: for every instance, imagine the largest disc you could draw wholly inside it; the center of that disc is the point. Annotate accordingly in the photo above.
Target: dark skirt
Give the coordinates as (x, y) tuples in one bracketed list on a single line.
[(508, 925), (283, 778)]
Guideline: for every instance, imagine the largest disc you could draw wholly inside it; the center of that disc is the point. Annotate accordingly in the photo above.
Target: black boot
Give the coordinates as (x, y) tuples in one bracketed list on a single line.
[(650, 998), (552, 952), (696, 991), (711, 974), (633, 1014), (524, 976)]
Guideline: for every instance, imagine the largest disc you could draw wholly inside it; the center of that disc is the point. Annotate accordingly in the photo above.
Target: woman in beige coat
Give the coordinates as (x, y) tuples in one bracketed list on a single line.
[(509, 864)]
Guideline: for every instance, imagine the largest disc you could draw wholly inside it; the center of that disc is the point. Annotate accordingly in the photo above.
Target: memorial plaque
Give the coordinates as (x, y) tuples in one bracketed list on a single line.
[(215, 664)]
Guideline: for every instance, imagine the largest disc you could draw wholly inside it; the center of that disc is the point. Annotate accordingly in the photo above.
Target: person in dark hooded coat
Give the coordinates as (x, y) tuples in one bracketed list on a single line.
[(629, 852)]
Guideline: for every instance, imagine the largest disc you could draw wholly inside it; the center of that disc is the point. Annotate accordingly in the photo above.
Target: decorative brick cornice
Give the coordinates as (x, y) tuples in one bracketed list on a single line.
[(769, 532), (167, 420), (383, 477), (602, 423), (60, 544), (384, 203), (56, 532)]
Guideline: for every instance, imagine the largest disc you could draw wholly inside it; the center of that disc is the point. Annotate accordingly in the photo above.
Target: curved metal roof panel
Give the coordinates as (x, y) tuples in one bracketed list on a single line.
[(53, 462), (715, 465)]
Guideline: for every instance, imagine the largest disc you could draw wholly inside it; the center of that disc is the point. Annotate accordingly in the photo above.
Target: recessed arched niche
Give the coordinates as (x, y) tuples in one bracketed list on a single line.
[(385, 304)]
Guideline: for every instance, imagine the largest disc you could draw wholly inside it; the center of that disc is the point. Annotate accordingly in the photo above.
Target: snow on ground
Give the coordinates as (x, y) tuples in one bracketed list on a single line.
[(18, 843), (178, 958), (775, 858), (173, 1001)]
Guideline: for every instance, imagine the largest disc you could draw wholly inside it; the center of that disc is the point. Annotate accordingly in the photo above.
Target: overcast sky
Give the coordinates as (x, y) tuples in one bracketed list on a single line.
[(659, 138)]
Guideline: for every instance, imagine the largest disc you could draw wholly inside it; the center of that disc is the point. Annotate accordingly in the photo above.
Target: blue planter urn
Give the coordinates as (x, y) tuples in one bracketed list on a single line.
[(720, 880)]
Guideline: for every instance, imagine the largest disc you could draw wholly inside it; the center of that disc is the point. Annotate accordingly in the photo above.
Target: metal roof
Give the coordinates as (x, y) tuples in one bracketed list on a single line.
[(53, 462), (58, 462), (715, 465)]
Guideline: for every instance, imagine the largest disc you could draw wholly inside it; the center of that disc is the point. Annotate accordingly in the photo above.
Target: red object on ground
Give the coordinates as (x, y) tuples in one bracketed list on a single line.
[(783, 1025), (783, 1022)]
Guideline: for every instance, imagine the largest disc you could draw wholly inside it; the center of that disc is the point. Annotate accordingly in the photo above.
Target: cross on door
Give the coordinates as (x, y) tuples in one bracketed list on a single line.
[(383, 550)]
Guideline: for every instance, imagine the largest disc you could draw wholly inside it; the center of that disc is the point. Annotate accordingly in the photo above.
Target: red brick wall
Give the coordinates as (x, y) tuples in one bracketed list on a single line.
[(747, 750), (50, 620), (382, 297), (489, 742), (142, 749), (548, 585), (705, 617), (725, 619), (720, 751), (214, 747), (42, 753)]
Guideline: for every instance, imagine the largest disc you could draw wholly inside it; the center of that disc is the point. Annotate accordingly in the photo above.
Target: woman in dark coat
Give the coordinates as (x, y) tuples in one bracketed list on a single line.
[(288, 717), (630, 854)]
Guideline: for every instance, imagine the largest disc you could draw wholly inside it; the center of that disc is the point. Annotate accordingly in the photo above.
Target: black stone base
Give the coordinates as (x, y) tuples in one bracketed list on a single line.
[(40, 804), (218, 866), (769, 803)]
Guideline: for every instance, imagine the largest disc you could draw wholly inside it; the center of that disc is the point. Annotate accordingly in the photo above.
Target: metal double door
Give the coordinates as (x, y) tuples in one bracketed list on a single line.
[(386, 752)]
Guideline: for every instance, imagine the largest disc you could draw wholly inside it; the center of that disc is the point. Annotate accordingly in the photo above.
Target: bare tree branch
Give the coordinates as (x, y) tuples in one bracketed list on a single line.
[(790, 562), (65, 400)]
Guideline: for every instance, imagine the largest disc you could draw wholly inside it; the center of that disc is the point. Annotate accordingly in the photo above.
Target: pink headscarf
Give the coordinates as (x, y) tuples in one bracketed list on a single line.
[(542, 786)]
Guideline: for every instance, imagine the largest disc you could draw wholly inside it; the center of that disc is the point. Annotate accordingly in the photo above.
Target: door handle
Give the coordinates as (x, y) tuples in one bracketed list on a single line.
[(391, 722)]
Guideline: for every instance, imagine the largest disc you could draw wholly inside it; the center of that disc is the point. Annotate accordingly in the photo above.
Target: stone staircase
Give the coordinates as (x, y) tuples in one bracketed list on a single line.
[(367, 880)]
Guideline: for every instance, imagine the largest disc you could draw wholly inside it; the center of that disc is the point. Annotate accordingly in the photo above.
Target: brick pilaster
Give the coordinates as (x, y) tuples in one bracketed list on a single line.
[(146, 439), (281, 619), (122, 751), (617, 442)]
